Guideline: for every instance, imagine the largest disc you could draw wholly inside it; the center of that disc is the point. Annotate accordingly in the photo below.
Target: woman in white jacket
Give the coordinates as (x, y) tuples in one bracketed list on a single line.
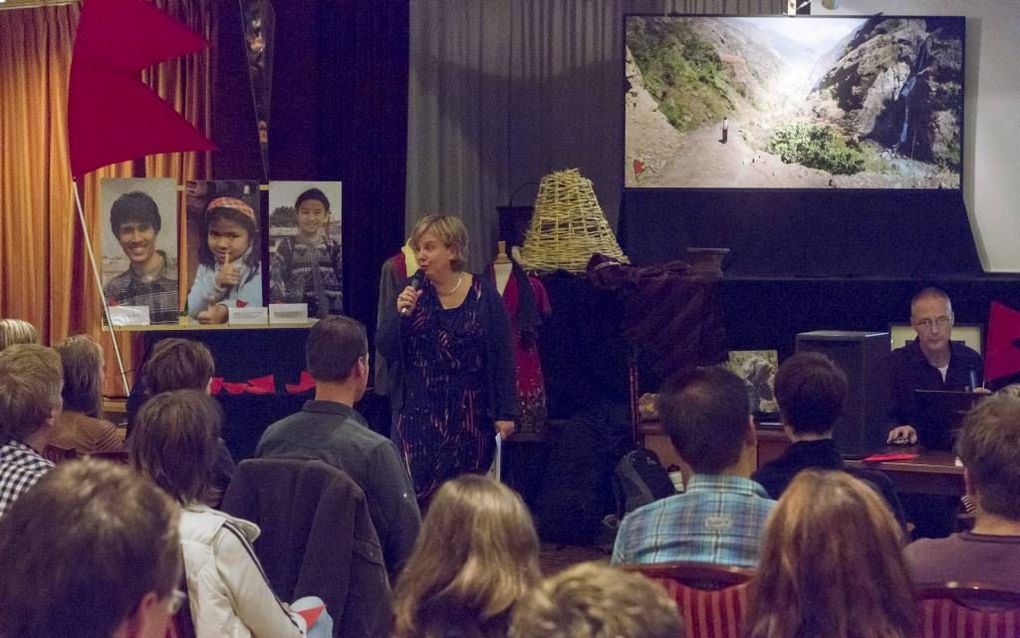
[(174, 443)]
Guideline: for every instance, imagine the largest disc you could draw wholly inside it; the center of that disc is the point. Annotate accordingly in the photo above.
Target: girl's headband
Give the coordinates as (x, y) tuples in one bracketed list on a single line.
[(234, 204)]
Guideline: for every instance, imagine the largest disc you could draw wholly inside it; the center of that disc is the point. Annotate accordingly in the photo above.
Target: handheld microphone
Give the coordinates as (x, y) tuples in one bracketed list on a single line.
[(973, 379), (415, 284)]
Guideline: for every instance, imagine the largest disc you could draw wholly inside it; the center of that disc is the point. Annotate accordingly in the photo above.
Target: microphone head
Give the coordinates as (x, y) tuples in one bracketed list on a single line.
[(416, 279)]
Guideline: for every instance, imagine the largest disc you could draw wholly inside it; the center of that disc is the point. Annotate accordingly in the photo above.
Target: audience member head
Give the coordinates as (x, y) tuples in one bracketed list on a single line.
[(91, 551), (593, 600), (1013, 390), (337, 352), (707, 414), (178, 364), (989, 446), (449, 231), (810, 391), (14, 331), (175, 442), (931, 315), (476, 556), (82, 359), (831, 565), (31, 379)]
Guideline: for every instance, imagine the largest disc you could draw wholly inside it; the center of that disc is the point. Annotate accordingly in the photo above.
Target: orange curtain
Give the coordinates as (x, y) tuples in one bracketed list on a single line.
[(45, 275)]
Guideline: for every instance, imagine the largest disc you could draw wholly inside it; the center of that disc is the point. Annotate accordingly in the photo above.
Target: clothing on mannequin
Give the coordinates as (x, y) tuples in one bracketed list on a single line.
[(502, 267)]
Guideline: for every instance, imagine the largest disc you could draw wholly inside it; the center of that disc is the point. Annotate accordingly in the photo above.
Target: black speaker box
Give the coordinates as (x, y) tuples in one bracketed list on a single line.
[(864, 357)]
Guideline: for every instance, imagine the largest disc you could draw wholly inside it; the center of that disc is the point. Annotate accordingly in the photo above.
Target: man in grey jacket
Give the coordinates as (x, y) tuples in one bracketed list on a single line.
[(328, 428)]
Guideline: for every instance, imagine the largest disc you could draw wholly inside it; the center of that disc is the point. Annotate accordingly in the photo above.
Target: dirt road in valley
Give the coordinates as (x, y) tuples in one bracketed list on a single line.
[(703, 161)]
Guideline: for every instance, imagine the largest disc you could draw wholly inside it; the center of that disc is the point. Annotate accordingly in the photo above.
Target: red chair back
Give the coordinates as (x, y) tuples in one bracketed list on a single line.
[(711, 598), (971, 610)]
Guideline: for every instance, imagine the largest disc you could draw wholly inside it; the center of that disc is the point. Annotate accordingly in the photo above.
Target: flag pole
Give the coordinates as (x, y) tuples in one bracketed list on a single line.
[(99, 287)]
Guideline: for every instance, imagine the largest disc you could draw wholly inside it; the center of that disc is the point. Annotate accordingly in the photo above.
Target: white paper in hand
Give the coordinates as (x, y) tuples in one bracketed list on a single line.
[(496, 469)]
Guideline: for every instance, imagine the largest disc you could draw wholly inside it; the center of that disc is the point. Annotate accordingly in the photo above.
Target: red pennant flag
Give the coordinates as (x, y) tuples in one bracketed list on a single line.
[(1002, 354), (215, 385), (305, 384), (112, 116), (262, 385)]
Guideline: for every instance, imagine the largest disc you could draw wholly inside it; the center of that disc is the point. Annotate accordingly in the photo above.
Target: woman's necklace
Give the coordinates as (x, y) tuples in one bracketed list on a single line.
[(460, 280)]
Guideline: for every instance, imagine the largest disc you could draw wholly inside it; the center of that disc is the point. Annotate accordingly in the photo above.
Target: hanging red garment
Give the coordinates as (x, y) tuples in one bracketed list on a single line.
[(530, 381)]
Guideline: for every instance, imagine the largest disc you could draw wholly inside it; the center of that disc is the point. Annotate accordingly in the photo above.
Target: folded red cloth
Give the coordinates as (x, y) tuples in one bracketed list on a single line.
[(305, 384), (891, 456), (262, 385), (235, 388)]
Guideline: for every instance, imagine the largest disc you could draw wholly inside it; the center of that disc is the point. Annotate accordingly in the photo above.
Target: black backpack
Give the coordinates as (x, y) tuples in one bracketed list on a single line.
[(640, 479)]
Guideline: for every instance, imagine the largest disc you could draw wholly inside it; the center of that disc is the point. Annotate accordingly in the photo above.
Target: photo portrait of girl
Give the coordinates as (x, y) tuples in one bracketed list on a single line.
[(229, 272)]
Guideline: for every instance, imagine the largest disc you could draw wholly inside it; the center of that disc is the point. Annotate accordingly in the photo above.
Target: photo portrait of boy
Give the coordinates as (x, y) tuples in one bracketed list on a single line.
[(306, 256), (145, 262)]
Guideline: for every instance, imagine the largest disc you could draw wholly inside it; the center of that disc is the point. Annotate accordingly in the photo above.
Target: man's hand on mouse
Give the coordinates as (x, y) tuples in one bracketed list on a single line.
[(902, 435)]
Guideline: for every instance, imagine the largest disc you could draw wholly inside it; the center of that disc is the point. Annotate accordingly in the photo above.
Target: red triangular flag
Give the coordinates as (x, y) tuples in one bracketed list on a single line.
[(130, 35), (215, 385), (262, 385), (1002, 355), (112, 115), (305, 384)]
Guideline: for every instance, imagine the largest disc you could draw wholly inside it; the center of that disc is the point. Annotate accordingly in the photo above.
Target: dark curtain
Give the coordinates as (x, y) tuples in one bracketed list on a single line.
[(339, 112)]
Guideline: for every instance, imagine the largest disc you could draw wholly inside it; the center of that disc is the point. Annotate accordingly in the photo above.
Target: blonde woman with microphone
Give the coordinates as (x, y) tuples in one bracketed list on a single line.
[(454, 375)]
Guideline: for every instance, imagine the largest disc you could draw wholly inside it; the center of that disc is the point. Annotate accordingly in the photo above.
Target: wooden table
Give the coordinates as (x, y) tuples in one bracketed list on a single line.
[(932, 472)]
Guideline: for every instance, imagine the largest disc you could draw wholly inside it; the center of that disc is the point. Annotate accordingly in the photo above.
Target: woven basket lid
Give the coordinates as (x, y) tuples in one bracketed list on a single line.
[(568, 226)]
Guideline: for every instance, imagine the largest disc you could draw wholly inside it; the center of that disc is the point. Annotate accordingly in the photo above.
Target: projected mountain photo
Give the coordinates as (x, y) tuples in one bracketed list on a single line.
[(783, 102)]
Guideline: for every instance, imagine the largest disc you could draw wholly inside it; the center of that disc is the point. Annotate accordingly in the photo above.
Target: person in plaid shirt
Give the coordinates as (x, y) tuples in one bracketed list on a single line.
[(720, 518), (31, 379)]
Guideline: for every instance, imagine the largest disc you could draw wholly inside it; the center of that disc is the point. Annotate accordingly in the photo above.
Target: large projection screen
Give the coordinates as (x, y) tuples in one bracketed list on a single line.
[(806, 102)]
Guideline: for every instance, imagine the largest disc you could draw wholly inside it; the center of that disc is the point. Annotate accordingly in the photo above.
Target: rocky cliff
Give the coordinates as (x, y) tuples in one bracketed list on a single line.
[(898, 82)]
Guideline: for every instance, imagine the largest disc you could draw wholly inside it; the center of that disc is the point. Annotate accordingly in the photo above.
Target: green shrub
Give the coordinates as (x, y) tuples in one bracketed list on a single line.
[(817, 147), (682, 72)]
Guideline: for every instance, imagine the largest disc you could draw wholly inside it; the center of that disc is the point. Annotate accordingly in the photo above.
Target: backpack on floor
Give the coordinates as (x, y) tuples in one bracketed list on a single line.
[(640, 479)]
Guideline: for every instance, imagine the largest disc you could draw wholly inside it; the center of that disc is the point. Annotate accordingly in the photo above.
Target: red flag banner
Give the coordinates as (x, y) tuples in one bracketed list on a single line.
[(112, 116), (1002, 354)]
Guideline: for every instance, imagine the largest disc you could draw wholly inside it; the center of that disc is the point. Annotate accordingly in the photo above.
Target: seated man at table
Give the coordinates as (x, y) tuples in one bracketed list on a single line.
[(989, 447), (329, 429), (930, 362), (811, 390), (721, 516)]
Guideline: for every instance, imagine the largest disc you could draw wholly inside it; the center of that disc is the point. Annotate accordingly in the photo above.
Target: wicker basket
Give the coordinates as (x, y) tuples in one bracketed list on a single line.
[(568, 226)]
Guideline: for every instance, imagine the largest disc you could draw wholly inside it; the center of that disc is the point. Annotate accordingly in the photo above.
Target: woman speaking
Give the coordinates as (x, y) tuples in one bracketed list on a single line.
[(449, 338)]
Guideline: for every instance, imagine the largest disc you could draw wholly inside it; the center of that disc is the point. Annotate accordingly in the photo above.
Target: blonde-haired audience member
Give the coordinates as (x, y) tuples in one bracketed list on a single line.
[(30, 382), (989, 446), (91, 552), (79, 427), (476, 556), (831, 565), (175, 444), (14, 331), (592, 600)]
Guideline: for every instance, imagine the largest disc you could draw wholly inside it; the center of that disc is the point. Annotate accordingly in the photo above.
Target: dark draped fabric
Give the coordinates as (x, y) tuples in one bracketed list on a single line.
[(338, 112)]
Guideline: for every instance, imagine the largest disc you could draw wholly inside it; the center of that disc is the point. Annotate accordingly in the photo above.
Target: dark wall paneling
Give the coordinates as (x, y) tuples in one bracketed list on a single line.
[(823, 232)]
